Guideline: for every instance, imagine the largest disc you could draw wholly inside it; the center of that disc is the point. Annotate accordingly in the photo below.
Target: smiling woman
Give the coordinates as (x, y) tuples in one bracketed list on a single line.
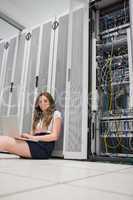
[(46, 127)]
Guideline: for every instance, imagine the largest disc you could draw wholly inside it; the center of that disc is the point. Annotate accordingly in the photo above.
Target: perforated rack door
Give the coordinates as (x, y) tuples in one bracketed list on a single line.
[(7, 75), (1, 55), (2, 61), (16, 79), (59, 74), (76, 105), (45, 56), (30, 81)]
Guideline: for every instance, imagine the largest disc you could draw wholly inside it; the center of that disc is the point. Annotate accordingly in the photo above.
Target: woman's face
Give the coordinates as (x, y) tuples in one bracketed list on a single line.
[(43, 103)]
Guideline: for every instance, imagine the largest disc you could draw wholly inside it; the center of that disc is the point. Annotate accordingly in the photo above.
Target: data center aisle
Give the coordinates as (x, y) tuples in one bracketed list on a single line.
[(63, 179)]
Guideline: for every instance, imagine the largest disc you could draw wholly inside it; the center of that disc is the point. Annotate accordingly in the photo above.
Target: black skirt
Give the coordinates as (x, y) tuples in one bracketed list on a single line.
[(40, 149)]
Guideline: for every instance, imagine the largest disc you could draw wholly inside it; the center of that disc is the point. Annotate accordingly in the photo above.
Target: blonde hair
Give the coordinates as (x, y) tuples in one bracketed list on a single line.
[(38, 114)]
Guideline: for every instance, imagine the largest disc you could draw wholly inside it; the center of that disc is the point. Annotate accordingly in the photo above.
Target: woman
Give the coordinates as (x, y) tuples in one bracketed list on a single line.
[(46, 127)]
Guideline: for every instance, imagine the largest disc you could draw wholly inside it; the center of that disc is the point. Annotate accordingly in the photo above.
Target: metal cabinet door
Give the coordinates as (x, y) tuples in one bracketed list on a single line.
[(17, 76), (7, 71), (76, 104), (2, 63), (30, 81), (44, 71), (1, 55), (59, 74)]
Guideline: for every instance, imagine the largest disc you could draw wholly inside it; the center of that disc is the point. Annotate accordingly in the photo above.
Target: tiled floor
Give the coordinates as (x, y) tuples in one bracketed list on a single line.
[(22, 179)]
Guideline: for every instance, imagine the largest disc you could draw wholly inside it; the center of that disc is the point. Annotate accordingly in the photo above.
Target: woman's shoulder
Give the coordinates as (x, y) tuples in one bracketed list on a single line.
[(57, 114)]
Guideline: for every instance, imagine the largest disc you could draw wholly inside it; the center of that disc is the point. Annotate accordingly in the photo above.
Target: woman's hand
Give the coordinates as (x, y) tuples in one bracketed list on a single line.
[(29, 136), (26, 135)]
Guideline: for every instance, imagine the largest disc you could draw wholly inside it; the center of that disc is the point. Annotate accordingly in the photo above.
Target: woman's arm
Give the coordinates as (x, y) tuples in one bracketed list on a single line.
[(53, 136)]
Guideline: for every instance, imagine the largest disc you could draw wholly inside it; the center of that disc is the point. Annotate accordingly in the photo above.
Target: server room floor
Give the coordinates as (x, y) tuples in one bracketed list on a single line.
[(22, 179)]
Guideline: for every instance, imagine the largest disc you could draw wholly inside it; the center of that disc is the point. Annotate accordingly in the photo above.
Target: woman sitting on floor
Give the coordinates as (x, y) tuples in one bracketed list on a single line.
[(46, 126)]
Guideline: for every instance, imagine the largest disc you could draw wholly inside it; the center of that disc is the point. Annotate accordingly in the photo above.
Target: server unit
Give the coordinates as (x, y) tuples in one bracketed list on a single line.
[(112, 70)]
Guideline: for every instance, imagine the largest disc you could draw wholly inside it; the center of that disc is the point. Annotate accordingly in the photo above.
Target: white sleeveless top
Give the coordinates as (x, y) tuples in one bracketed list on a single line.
[(39, 128)]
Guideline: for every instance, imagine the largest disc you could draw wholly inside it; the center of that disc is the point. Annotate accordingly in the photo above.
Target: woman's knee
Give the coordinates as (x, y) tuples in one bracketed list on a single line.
[(6, 142)]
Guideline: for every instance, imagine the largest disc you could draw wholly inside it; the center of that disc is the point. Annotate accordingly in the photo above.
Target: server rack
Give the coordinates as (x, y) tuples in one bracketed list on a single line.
[(112, 92)]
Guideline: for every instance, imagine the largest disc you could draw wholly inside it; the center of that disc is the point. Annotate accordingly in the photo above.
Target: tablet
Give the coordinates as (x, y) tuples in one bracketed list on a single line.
[(22, 138)]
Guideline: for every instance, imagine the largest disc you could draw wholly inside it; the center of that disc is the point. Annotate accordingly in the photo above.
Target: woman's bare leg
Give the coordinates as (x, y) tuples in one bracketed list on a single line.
[(14, 146)]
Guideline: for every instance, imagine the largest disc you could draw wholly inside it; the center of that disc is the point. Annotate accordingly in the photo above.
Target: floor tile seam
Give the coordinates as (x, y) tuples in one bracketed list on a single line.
[(28, 190), (29, 177), (58, 165), (121, 171), (87, 169), (73, 180), (100, 170), (89, 176), (99, 189), (61, 183), (23, 176), (52, 164), (61, 166), (67, 181)]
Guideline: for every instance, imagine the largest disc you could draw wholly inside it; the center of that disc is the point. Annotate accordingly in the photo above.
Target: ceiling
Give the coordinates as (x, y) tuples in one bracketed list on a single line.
[(31, 12), (27, 13)]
